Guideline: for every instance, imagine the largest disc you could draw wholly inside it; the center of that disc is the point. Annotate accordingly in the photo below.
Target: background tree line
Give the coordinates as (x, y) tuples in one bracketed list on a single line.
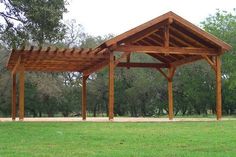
[(138, 92)]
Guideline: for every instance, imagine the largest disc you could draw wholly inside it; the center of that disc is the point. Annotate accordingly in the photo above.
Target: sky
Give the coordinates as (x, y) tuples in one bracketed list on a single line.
[(101, 17)]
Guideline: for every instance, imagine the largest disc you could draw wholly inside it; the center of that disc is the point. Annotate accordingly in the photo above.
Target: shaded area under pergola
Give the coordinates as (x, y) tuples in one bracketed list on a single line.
[(170, 39)]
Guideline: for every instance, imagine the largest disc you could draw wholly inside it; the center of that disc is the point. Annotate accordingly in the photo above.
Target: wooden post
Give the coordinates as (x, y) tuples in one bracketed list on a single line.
[(84, 97), (111, 86), (21, 92), (170, 93), (13, 107), (218, 89)]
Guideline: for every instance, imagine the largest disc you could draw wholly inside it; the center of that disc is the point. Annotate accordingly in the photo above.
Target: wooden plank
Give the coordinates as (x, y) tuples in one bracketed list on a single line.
[(111, 87), (21, 92), (166, 50), (218, 89), (84, 97), (143, 65), (13, 107)]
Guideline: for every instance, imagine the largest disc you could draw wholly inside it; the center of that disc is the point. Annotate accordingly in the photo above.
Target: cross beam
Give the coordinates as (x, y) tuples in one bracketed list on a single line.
[(166, 50), (143, 65)]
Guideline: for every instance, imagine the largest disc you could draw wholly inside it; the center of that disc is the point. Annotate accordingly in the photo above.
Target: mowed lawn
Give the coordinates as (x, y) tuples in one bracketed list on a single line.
[(89, 139)]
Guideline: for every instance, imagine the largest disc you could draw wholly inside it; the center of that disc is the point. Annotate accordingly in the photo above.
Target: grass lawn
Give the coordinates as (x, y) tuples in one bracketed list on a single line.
[(87, 139)]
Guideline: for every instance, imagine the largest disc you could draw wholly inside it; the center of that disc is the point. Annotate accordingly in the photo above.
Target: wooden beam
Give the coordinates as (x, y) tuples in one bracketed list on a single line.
[(16, 66), (95, 68), (84, 97), (128, 59), (212, 64), (163, 73), (111, 87), (13, 107), (159, 57), (134, 36), (218, 89), (124, 55), (170, 93), (143, 65), (187, 38), (145, 35), (166, 50), (21, 92), (167, 36), (186, 60)]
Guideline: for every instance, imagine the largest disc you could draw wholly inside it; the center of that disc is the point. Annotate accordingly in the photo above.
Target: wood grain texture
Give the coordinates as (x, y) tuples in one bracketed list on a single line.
[(13, 107), (218, 89), (84, 96), (111, 87), (21, 92)]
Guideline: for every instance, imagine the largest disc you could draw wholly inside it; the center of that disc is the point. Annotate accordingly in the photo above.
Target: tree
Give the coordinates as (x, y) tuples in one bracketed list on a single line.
[(223, 25), (32, 21)]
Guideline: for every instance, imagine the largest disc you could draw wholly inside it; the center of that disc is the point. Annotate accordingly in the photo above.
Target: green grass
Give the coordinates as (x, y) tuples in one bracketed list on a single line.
[(87, 139)]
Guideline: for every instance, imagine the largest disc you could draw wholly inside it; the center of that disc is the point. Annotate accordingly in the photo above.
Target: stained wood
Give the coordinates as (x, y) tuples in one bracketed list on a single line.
[(169, 50), (16, 66), (124, 55), (143, 65), (199, 32), (84, 97), (128, 59), (170, 93), (167, 36), (21, 92), (111, 87), (218, 89), (13, 107), (210, 62), (95, 68), (186, 60)]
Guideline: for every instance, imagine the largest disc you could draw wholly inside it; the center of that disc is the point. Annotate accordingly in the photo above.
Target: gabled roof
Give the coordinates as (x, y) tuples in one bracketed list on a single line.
[(183, 34)]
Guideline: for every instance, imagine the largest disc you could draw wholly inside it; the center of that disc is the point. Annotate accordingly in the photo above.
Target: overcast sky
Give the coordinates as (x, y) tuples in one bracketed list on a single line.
[(100, 17)]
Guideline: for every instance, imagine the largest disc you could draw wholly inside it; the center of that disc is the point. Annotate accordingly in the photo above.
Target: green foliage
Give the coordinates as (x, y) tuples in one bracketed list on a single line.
[(223, 25), (32, 21)]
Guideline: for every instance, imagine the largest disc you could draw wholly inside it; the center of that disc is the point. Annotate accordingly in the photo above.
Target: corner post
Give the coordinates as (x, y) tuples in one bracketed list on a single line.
[(218, 89), (21, 92), (171, 71), (111, 86), (13, 107), (84, 97)]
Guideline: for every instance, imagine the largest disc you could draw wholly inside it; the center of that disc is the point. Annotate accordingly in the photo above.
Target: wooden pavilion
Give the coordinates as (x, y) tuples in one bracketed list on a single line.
[(170, 39)]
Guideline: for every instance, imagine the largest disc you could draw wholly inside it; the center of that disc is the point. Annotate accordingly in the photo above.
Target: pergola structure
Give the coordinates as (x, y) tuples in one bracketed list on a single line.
[(170, 39)]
